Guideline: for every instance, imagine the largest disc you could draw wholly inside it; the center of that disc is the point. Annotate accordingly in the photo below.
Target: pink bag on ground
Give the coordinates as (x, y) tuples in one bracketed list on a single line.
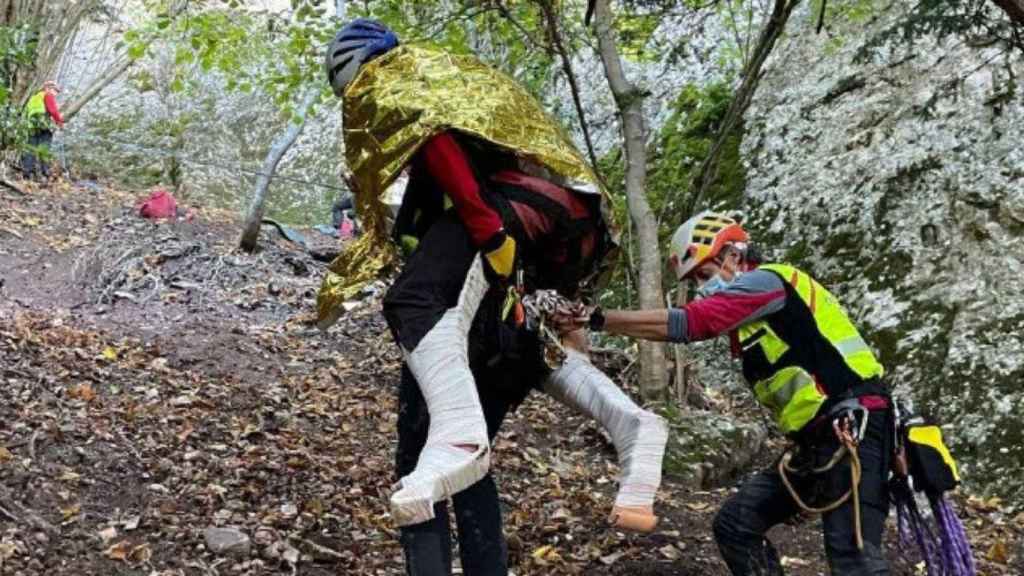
[(346, 229), (160, 204)]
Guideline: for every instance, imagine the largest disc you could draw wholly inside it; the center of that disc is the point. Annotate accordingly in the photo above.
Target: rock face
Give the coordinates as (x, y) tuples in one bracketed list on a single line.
[(899, 183), (708, 449)]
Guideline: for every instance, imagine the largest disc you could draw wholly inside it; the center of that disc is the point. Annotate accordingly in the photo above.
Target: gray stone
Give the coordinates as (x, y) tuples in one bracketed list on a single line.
[(272, 551), (706, 449), (227, 541)]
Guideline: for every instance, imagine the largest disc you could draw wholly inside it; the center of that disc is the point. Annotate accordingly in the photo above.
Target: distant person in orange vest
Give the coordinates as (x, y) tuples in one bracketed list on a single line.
[(44, 114)]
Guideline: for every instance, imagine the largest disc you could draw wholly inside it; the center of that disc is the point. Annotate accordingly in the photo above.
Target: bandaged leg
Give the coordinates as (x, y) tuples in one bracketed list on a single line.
[(457, 453), (639, 436)]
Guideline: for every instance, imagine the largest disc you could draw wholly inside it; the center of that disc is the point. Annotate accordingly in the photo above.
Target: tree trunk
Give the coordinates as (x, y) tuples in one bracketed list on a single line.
[(708, 172), (280, 146), (1014, 9), (629, 100)]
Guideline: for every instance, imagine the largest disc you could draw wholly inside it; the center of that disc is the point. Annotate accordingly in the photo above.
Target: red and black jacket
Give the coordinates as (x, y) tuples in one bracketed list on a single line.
[(560, 234)]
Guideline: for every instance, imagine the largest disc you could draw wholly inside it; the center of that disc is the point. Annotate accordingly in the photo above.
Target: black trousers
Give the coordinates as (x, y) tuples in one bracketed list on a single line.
[(763, 502), (29, 161), (506, 364)]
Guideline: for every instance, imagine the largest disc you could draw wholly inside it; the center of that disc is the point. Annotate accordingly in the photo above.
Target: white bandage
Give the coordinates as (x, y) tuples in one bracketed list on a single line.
[(639, 436), (441, 367)]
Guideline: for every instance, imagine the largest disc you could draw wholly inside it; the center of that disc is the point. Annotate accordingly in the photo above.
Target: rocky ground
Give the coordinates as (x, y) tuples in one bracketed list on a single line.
[(169, 410)]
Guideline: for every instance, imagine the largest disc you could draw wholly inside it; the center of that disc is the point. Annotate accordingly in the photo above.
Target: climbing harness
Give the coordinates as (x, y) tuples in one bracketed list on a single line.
[(922, 463), (849, 430)]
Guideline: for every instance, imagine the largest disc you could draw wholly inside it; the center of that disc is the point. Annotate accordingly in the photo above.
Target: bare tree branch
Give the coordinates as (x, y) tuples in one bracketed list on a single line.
[(708, 171), (97, 86), (555, 37)]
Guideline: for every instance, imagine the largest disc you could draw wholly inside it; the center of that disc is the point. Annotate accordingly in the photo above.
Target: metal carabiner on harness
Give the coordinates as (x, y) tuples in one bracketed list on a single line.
[(845, 423)]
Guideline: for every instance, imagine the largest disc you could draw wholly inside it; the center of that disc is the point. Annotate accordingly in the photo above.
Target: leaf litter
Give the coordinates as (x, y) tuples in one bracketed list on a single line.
[(159, 383)]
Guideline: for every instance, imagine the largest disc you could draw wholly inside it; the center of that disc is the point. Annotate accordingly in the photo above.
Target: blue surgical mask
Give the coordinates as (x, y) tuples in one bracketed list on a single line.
[(714, 285)]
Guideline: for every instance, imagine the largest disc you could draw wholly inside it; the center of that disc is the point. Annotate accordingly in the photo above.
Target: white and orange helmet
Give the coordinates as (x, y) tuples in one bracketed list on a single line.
[(701, 239)]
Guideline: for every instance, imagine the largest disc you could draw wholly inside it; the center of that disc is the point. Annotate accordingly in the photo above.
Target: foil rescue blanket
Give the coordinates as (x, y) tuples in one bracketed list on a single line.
[(397, 103)]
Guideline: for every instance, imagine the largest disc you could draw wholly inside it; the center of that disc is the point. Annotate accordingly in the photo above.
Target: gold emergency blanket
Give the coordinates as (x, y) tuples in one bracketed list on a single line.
[(398, 102)]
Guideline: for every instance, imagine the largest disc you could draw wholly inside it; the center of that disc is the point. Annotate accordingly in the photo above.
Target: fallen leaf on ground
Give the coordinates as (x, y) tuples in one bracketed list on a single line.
[(140, 553), (541, 552), (119, 551), (611, 558), (5, 454), (997, 553), (71, 511), (7, 550), (82, 392), (132, 522), (985, 505), (108, 534), (669, 551)]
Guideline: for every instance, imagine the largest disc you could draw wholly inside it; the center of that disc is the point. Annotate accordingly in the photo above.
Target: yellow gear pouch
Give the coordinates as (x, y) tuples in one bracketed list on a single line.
[(931, 465)]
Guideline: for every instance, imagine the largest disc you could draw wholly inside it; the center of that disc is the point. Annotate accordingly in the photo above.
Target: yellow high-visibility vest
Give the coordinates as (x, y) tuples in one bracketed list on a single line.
[(36, 104), (819, 352)]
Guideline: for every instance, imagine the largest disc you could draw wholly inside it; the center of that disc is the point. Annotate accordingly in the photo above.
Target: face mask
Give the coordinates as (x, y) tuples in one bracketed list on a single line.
[(715, 284)]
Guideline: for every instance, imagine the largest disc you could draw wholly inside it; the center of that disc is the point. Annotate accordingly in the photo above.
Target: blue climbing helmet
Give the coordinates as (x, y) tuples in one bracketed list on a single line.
[(360, 41)]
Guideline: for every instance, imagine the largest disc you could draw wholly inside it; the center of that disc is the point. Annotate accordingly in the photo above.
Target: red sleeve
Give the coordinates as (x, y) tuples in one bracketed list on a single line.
[(449, 167), (719, 314), (51, 107)]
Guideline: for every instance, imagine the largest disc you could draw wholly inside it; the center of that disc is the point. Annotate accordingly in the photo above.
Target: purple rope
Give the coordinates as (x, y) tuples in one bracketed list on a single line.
[(962, 541), (955, 538), (950, 556), (926, 541), (911, 522)]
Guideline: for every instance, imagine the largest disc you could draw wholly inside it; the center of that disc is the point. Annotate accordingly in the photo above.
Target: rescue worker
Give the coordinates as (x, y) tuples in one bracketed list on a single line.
[(481, 233), (807, 363), (43, 113)]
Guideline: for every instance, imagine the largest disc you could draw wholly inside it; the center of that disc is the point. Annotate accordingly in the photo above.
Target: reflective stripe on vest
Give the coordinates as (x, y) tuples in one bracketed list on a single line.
[(792, 395), (36, 104), (790, 392)]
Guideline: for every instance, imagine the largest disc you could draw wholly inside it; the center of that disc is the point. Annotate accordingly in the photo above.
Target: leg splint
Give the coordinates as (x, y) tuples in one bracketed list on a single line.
[(639, 436), (457, 451)]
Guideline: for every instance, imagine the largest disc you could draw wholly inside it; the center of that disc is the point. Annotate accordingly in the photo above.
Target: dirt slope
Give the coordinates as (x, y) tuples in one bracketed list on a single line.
[(158, 383)]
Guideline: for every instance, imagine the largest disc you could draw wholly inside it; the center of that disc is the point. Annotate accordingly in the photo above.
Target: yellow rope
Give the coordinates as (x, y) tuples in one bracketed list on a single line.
[(848, 447)]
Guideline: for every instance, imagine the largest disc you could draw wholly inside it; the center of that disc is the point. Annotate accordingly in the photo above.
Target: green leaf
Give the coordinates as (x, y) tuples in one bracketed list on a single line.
[(183, 56), (137, 50)]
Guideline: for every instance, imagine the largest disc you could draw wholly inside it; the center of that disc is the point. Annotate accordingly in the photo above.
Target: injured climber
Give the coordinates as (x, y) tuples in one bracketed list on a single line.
[(491, 214)]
